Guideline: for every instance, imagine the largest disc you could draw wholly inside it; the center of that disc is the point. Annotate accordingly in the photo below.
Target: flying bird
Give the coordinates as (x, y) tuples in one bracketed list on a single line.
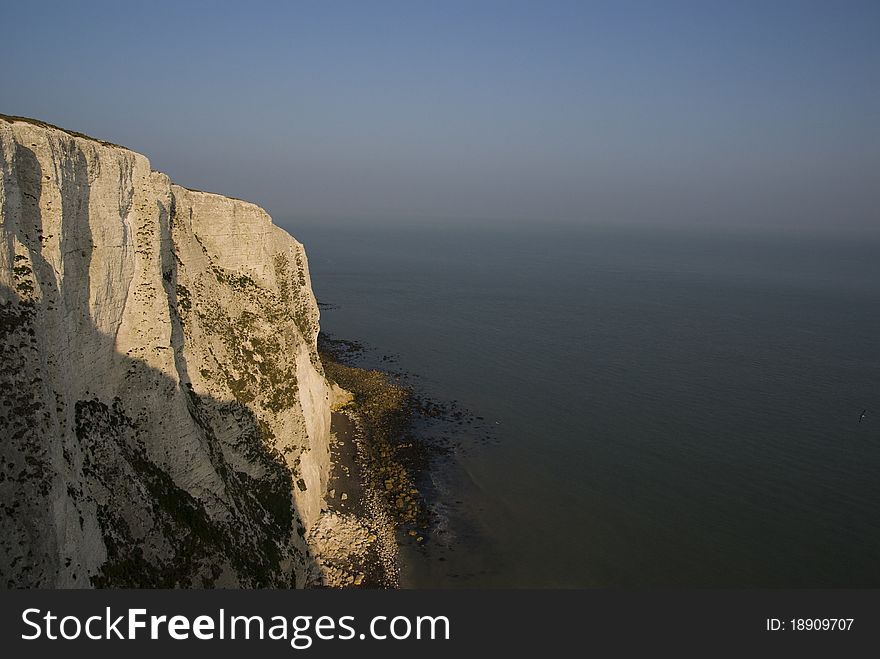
[(862, 415)]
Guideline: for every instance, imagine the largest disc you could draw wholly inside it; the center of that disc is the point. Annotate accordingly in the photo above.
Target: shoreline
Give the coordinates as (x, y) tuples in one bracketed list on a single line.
[(354, 542), (391, 442), (373, 505)]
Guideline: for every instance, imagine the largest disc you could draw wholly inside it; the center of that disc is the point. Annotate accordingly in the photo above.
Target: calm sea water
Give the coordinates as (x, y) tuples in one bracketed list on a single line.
[(671, 408)]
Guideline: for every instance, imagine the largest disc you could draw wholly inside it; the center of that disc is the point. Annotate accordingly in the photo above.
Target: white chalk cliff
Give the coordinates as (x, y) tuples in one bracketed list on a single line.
[(164, 415)]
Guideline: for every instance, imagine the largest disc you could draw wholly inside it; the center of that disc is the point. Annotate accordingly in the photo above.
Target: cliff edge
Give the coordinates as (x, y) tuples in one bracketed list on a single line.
[(165, 417)]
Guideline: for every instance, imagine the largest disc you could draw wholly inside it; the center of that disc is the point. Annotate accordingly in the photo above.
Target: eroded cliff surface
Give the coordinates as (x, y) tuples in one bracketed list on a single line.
[(165, 416)]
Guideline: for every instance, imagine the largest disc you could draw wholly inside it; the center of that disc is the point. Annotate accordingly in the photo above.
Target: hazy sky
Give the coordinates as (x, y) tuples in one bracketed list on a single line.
[(715, 112)]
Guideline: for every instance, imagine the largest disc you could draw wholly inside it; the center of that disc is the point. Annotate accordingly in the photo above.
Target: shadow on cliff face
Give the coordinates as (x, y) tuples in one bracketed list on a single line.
[(91, 486)]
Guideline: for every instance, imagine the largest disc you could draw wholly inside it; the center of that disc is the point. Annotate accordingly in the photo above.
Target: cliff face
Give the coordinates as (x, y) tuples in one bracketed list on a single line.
[(164, 415)]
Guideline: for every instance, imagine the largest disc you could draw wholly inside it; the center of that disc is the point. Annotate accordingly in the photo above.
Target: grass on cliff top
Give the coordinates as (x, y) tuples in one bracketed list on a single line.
[(43, 124), (219, 194)]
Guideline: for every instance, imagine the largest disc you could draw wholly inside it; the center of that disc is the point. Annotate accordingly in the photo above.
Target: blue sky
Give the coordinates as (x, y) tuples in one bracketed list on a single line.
[(667, 112)]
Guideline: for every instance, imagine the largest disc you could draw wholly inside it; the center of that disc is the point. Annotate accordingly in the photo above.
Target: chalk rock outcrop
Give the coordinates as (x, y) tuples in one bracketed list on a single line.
[(163, 412)]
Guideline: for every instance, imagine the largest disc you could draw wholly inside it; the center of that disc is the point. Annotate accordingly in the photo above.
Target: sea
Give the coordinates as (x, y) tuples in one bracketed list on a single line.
[(659, 406)]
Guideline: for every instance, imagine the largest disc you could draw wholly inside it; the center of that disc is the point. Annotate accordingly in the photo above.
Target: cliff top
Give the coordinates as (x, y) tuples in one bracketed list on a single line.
[(44, 124)]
